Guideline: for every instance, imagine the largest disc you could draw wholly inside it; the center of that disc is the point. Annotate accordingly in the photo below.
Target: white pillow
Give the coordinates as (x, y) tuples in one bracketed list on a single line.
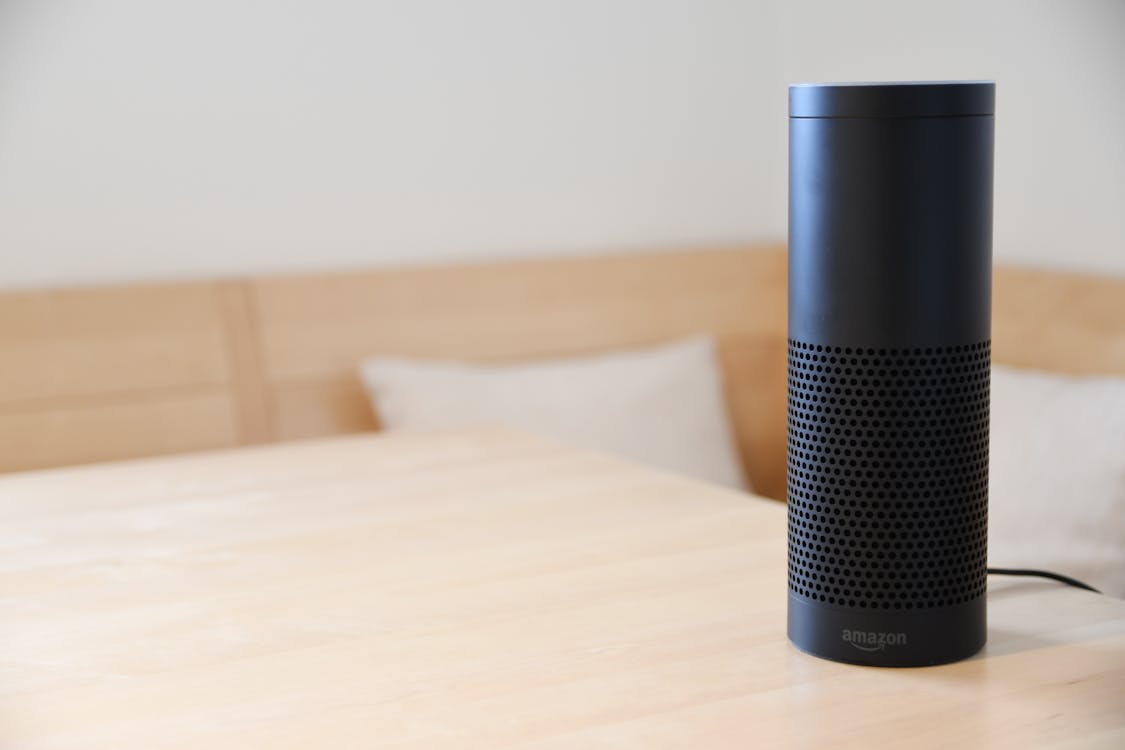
[(661, 406), (1057, 475)]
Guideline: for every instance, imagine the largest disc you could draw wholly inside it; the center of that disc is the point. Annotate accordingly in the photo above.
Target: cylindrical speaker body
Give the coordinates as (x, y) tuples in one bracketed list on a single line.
[(890, 255)]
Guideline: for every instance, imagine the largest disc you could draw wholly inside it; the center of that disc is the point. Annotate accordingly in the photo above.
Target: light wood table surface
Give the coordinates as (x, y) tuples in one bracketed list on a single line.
[(478, 589)]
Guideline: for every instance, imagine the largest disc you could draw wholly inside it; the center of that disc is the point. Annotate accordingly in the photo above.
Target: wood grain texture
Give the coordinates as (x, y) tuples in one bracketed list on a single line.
[(475, 590), (113, 372), (1059, 322), (91, 430), (320, 325), (329, 406), (254, 402), (63, 344)]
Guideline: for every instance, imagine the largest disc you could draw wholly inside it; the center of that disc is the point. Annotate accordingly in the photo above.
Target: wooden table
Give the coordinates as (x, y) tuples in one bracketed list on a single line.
[(477, 589)]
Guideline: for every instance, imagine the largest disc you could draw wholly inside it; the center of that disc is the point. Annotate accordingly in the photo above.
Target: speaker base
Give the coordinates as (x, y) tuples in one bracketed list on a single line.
[(879, 638)]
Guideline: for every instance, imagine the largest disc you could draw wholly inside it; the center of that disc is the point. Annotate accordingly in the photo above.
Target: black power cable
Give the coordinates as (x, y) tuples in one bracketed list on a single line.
[(1042, 574)]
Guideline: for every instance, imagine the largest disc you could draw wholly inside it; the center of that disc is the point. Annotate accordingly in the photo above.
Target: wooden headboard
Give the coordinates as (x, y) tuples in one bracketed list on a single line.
[(116, 372)]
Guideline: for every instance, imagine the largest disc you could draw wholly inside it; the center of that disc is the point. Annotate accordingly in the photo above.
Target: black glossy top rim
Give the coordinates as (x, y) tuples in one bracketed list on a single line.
[(893, 99)]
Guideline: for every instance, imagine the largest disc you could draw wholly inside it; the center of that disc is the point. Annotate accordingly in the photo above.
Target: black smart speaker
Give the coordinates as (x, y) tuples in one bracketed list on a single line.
[(890, 256)]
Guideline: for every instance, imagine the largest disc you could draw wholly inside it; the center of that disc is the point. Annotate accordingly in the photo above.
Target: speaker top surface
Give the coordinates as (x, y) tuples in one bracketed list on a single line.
[(878, 100)]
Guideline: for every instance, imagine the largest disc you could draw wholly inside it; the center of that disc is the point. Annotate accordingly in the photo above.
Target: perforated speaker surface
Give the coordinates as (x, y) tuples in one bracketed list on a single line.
[(888, 475)]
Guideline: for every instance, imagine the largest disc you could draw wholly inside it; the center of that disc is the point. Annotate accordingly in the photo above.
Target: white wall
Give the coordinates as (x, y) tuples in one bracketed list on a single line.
[(190, 138)]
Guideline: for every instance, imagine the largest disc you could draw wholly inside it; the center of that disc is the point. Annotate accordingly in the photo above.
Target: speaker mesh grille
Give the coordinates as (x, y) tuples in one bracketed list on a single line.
[(888, 475)]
